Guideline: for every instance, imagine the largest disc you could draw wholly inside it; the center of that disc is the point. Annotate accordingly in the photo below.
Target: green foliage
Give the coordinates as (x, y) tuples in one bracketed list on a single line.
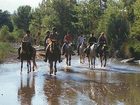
[(22, 17), (5, 50), (5, 19), (131, 48), (18, 34), (115, 24), (5, 35), (135, 29)]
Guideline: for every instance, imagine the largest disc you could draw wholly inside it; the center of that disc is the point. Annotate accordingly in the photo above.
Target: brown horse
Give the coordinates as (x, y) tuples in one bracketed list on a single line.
[(102, 52), (53, 55), (68, 53), (27, 55)]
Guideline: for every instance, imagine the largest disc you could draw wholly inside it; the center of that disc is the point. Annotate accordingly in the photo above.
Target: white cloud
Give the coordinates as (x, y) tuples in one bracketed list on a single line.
[(12, 5)]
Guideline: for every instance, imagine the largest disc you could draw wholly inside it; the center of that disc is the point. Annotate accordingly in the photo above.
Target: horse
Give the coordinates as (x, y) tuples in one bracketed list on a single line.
[(92, 55), (82, 53), (53, 56), (25, 54), (102, 52), (68, 53)]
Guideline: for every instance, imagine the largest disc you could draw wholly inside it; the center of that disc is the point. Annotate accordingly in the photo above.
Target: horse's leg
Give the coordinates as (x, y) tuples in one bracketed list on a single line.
[(101, 59), (80, 59), (21, 66), (83, 57), (55, 68), (34, 62), (27, 66), (105, 58), (94, 61), (89, 61), (69, 60), (51, 67), (30, 65)]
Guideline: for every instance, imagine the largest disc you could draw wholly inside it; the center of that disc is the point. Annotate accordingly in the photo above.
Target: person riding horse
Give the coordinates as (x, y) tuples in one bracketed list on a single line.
[(67, 40), (102, 41), (91, 41), (46, 40), (54, 38), (80, 40), (28, 39)]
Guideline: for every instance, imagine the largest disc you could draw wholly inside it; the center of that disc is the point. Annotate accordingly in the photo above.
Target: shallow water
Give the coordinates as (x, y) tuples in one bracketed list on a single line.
[(117, 84)]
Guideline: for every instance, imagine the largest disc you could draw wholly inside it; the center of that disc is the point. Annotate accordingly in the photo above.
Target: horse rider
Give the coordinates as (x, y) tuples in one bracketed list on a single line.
[(80, 40), (27, 38), (102, 40), (67, 40), (92, 40), (46, 40), (54, 38)]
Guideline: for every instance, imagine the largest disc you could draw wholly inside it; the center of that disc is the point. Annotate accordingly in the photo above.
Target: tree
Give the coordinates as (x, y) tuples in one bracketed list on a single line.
[(5, 19), (22, 17)]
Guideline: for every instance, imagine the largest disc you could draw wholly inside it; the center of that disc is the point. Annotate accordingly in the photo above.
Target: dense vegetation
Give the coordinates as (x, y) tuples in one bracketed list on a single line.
[(119, 19)]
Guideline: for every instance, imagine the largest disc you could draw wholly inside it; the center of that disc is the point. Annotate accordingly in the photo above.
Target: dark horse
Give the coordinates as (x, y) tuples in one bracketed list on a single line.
[(68, 53), (27, 55), (102, 53), (53, 55)]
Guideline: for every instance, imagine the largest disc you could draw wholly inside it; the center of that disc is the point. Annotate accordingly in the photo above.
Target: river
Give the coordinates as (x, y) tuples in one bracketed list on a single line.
[(116, 84)]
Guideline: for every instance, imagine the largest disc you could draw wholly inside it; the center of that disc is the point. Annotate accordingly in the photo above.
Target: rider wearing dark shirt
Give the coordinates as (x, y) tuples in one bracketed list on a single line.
[(102, 41), (54, 37), (91, 41)]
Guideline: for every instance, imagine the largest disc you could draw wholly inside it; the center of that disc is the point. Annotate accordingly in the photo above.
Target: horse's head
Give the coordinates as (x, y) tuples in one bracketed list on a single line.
[(53, 47), (25, 46)]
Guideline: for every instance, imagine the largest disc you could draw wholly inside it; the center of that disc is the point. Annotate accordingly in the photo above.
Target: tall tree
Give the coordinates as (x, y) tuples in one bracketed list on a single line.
[(22, 17), (5, 19)]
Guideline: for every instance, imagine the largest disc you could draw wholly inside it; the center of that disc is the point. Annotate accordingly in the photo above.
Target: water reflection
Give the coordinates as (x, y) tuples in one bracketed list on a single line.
[(27, 89), (113, 88), (52, 90)]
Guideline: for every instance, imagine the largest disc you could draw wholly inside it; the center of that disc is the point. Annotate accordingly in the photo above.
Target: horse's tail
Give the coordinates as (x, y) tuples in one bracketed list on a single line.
[(34, 62), (34, 56)]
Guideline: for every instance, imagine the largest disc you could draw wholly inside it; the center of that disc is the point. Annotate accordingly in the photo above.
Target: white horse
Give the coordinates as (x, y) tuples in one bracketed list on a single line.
[(92, 55), (82, 53)]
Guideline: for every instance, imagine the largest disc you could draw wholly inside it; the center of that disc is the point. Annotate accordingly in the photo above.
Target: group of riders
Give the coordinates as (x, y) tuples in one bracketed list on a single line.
[(54, 37)]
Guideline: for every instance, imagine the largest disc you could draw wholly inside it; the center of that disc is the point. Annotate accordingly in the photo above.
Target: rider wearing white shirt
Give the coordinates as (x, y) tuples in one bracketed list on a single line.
[(80, 40)]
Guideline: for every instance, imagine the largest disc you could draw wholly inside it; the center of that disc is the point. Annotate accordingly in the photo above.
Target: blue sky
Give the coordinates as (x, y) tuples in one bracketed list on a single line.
[(12, 5)]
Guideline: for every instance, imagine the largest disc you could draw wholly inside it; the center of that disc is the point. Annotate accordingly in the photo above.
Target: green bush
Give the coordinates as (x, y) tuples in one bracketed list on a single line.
[(5, 50)]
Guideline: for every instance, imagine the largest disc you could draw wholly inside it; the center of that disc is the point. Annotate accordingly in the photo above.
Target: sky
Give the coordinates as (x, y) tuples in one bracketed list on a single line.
[(12, 5)]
